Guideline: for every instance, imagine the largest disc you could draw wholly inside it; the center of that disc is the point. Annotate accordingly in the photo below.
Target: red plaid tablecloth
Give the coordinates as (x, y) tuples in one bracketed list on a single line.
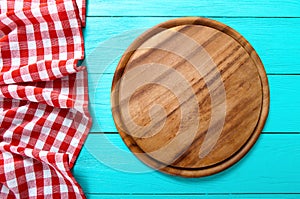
[(14, 5), (44, 115)]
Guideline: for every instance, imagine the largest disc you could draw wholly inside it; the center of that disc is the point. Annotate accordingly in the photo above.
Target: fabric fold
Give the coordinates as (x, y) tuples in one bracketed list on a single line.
[(44, 117), (40, 71)]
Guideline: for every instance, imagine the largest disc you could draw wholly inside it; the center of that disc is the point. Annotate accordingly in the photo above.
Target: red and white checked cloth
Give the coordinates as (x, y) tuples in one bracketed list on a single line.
[(14, 5), (44, 115)]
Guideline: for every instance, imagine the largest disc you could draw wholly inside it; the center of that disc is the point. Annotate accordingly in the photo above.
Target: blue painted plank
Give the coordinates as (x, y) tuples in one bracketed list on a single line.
[(283, 115), (221, 196), (272, 166), (276, 40), (256, 8)]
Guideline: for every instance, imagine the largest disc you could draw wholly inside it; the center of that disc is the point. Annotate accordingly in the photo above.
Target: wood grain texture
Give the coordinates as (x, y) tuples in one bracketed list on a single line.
[(284, 106), (280, 55), (207, 124), (228, 8), (272, 166)]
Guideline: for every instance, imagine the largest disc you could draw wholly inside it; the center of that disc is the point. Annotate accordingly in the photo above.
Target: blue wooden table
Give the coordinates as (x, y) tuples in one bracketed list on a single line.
[(270, 170)]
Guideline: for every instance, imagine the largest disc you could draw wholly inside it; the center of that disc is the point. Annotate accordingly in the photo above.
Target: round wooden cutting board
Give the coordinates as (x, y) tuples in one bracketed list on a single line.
[(190, 97)]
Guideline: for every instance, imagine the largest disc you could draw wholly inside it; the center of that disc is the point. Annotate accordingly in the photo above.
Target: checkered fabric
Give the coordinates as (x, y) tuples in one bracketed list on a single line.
[(14, 5), (44, 115)]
